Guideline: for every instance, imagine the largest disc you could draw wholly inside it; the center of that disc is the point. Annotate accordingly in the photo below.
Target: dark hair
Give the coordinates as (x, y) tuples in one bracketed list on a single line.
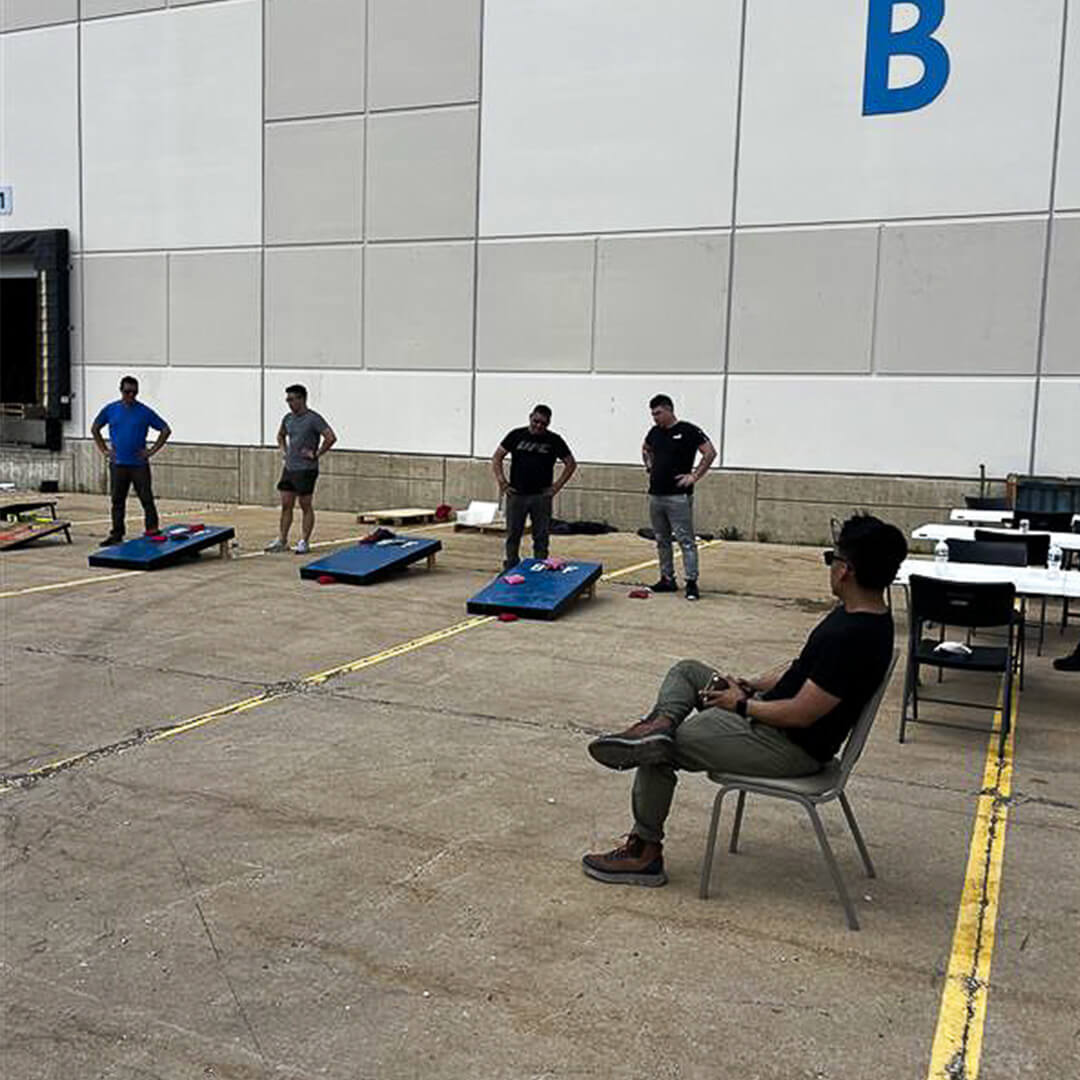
[(661, 399), (543, 410), (874, 548), (128, 379), (296, 388)]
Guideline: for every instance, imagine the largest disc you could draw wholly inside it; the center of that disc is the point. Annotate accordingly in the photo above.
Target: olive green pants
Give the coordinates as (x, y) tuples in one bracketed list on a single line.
[(710, 740)]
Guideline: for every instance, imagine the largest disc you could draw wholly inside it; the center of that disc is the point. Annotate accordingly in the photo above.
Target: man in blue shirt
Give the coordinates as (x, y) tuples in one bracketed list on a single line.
[(128, 421)]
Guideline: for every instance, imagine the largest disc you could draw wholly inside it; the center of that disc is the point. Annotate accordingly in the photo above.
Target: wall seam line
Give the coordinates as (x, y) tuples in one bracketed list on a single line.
[(365, 187), (476, 232), (875, 309), (1040, 345), (264, 70), (733, 220), (82, 216)]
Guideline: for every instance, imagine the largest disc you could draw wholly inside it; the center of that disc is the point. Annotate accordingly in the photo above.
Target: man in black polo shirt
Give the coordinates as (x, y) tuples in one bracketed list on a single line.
[(532, 486), (669, 452), (789, 721)]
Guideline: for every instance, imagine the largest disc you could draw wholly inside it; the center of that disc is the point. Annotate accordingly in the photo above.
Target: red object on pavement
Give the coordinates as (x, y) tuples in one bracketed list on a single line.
[(639, 594), (443, 512), (507, 616)]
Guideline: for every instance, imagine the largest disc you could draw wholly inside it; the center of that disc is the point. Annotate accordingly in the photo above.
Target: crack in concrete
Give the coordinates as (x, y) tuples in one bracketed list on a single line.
[(134, 665), (1019, 798), (141, 736)]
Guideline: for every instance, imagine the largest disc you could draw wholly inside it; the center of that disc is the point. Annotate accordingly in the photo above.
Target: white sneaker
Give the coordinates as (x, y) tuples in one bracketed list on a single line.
[(302, 547), (275, 545)]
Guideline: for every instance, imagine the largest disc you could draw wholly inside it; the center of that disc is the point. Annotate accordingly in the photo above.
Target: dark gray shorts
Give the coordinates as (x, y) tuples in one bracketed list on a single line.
[(298, 481)]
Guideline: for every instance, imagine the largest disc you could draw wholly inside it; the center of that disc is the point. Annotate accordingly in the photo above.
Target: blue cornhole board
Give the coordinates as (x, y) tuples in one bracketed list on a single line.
[(143, 554), (544, 594), (364, 564)]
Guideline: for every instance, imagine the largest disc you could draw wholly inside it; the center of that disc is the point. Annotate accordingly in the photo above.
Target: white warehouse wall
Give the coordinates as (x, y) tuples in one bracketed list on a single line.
[(438, 212)]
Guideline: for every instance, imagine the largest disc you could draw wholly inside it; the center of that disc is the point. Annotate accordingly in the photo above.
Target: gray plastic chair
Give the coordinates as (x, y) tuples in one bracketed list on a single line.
[(810, 792)]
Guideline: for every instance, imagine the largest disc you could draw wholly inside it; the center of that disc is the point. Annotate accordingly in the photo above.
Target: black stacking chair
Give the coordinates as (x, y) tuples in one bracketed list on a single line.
[(997, 552), (971, 605), (986, 502), (1051, 521), (1036, 547)]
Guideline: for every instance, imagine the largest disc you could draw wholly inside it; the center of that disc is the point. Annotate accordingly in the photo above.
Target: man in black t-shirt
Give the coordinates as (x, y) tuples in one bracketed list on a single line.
[(787, 722), (669, 452), (532, 486)]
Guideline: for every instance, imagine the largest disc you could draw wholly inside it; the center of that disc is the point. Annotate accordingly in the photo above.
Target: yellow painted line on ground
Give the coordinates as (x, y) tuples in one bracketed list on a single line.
[(273, 693), (957, 1047), (702, 545), (69, 584), (138, 517), (349, 539)]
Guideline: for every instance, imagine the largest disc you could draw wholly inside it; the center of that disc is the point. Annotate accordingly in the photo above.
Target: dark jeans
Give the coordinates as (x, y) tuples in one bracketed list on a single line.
[(123, 477), (538, 509)]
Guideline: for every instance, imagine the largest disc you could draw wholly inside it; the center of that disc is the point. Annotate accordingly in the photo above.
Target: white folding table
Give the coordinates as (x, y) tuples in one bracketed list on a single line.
[(981, 517), (1065, 541), (1029, 580)]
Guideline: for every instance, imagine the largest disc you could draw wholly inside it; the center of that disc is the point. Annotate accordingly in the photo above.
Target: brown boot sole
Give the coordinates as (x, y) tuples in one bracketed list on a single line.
[(615, 752)]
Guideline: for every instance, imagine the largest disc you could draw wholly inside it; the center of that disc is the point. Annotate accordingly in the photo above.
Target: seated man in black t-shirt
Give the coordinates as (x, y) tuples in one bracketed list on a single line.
[(787, 722), (532, 486)]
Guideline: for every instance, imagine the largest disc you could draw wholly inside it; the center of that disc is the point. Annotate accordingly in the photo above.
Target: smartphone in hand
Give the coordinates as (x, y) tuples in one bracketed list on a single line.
[(717, 682)]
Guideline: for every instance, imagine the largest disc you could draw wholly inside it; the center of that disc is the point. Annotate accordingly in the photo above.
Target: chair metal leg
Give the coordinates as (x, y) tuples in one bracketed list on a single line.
[(733, 847), (830, 861), (710, 844), (1006, 712), (1042, 628), (849, 814), (909, 683)]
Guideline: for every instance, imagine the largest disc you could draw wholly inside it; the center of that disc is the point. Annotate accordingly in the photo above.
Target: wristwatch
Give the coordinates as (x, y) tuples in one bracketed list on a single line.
[(740, 707)]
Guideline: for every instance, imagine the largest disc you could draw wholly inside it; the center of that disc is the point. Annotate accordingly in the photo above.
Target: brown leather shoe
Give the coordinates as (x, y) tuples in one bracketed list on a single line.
[(648, 742), (637, 862)]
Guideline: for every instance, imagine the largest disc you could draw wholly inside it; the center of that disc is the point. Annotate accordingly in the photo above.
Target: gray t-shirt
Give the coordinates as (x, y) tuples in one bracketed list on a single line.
[(302, 432)]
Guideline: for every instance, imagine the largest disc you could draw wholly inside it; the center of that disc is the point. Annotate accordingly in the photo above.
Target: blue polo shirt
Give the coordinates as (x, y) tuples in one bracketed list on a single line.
[(127, 426)]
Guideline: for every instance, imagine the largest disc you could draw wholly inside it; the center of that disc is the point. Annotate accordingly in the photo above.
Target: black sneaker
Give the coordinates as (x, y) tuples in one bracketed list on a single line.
[(692, 591), (637, 862), (109, 541), (1068, 663), (665, 584)]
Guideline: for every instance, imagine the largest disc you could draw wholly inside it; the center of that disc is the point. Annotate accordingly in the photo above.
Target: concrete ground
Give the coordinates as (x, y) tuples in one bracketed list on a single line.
[(378, 876)]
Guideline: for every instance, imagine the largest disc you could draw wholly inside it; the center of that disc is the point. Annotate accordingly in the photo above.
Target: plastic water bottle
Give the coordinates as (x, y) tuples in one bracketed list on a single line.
[(941, 552), (1053, 559)]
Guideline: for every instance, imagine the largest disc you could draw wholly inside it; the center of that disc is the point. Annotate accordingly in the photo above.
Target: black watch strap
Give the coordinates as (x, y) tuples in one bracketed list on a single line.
[(740, 707)]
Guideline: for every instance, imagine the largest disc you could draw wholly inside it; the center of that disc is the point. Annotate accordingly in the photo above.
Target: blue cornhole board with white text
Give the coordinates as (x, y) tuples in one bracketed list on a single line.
[(544, 594), (364, 564), (179, 544)]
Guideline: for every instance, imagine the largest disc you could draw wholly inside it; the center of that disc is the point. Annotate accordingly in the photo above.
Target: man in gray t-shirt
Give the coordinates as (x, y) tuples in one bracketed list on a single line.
[(303, 437)]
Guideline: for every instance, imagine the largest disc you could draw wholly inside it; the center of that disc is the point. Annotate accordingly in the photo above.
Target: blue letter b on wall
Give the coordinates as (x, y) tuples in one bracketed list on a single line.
[(883, 43)]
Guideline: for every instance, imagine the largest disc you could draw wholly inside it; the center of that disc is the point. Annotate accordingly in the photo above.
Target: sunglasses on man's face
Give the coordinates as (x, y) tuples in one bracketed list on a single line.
[(829, 557)]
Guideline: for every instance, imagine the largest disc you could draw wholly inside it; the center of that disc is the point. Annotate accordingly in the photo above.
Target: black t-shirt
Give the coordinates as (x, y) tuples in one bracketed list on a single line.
[(673, 451), (532, 459), (847, 655)]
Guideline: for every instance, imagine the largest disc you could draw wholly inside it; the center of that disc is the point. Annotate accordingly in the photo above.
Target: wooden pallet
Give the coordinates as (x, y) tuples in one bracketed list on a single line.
[(496, 528), (408, 515)]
